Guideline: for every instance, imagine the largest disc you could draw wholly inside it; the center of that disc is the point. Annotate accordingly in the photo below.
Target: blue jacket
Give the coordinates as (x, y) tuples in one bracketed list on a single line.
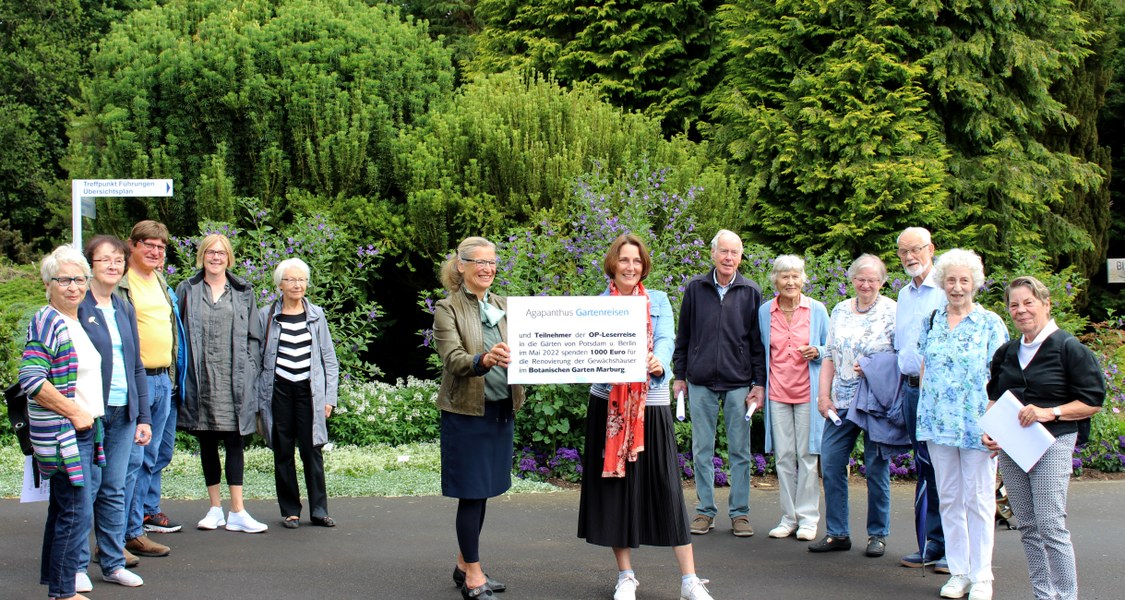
[(718, 344), (818, 335), (98, 331), (877, 408), (660, 310)]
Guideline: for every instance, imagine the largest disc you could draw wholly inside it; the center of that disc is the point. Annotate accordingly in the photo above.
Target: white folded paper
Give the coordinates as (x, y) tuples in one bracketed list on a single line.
[(1025, 445), (750, 410), (680, 406)]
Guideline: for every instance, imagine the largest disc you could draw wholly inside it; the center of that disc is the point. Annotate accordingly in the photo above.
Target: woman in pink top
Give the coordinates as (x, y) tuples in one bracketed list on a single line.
[(794, 328)]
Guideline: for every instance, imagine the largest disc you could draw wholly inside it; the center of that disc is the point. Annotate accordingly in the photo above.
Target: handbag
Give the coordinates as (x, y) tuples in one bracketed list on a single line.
[(17, 417)]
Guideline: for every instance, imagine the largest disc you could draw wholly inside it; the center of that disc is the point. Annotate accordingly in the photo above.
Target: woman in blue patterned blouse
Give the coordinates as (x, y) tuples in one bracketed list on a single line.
[(956, 344)]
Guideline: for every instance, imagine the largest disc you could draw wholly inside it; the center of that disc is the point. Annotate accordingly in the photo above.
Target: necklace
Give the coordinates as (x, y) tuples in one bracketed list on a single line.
[(863, 311)]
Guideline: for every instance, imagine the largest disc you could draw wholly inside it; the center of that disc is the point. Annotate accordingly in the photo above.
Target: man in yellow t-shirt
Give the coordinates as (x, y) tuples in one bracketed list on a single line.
[(159, 332)]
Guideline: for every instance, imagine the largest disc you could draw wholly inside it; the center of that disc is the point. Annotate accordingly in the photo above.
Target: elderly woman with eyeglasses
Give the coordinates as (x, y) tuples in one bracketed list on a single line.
[(477, 405), (956, 343), (297, 391), (61, 374), (794, 329), (223, 339), (860, 327)]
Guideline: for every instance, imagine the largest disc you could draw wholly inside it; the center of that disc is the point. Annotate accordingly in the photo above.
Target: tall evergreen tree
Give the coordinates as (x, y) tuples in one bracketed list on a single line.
[(658, 57)]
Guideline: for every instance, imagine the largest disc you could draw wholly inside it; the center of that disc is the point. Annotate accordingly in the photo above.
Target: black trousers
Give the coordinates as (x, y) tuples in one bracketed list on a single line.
[(293, 426)]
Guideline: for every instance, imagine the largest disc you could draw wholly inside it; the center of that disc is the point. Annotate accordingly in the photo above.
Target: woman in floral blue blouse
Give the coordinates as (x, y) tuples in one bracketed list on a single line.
[(956, 343)]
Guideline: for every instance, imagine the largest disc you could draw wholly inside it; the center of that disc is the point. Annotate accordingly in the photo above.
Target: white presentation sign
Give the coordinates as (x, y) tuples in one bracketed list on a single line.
[(577, 339), (81, 189)]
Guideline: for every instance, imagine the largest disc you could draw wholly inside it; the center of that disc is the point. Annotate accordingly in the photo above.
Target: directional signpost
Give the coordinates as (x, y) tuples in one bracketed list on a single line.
[(81, 189)]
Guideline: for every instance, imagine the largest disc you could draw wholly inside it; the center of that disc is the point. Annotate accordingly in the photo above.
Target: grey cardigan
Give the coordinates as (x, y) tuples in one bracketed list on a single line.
[(324, 369), (245, 353)]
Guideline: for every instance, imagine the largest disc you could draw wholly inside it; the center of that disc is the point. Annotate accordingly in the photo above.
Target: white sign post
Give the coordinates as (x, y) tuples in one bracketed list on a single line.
[(1115, 270), (110, 188), (577, 339)]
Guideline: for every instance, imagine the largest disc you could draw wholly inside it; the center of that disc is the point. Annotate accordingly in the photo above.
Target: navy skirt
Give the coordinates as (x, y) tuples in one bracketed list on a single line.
[(476, 452), (647, 505)]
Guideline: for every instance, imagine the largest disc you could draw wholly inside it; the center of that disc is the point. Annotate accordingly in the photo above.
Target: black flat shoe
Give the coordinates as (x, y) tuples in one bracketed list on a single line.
[(324, 521), (876, 546), (495, 586), (829, 544), (481, 591), (291, 523)]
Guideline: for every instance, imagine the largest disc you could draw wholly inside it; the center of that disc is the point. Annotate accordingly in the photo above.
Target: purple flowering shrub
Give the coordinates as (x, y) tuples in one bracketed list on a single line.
[(536, 465), (340, 274)]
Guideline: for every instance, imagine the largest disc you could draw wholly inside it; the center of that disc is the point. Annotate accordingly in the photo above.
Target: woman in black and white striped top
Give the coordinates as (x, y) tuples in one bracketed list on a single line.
[(297, 391)]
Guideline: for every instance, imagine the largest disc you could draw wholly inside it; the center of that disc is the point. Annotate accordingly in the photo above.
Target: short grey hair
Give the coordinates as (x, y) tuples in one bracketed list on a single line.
[(921, 232), (788, 263), (50, 265), (1033, 285), (958, 257), (868, 261), (718, 236), (285, 265)]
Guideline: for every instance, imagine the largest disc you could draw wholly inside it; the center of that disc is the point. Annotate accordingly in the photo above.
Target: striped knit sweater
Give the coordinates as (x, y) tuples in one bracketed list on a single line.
[(49, 356)]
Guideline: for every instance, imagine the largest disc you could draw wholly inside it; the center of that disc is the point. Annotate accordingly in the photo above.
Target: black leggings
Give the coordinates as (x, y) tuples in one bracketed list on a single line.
[(209, 456), (470, 522)]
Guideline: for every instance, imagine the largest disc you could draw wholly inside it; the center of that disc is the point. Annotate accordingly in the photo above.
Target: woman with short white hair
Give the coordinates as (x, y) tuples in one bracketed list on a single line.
[(957, 343), (794, 330), (297, 391)]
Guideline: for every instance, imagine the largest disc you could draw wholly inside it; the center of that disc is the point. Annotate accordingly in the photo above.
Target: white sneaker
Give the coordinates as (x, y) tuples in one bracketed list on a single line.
[(626, 588), (981, 590), (806, 534), (242, 521), (124, 577), (956, 587), (782, 531), (213, 519), (82, 583), (695, 590)]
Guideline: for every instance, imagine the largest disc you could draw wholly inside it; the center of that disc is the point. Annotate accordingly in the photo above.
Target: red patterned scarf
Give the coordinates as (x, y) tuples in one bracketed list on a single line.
[(625, 419)]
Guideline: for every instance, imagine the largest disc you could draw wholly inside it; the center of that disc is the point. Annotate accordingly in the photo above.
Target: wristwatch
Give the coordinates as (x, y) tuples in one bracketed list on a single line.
[(1057, 412)]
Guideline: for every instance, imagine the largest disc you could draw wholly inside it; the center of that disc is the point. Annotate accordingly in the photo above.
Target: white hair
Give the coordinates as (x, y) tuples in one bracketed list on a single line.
[(957, 257), (285, 265), (718, 236), (921, 232), (788, 263)]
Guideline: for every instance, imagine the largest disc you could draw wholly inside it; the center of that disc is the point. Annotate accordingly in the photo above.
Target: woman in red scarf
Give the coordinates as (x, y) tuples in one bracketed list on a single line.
[(631, 492)]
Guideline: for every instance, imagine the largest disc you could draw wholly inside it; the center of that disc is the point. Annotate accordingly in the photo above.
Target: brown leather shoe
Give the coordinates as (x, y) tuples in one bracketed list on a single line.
[(740, 527), (130, 559), (142, 546)]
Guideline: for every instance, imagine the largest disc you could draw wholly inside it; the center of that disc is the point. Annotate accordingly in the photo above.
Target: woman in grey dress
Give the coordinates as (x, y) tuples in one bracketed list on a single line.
[(223, 358)]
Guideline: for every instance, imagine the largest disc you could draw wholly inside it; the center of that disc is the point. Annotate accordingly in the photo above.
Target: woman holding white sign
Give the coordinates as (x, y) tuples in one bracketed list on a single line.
[(631, 491), (477, 404), (1061, 385)]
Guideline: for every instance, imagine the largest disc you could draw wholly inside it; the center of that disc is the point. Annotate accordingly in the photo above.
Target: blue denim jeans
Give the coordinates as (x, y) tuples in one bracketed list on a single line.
[(151, 459), (935, 539), (836, 448), (107, 491), (68, 524), (704, 405)]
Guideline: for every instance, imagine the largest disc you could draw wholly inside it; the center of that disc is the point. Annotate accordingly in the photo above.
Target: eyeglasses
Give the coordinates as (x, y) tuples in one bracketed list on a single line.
[(113, 262), (904, 252), (479, 262), (294, 280), (155, 247), (65, 282), (211, 253), (729, 252), (866, 281)]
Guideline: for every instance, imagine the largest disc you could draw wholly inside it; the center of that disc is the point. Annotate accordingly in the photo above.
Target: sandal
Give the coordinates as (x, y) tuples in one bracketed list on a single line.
[(292, 522), (324, 521)]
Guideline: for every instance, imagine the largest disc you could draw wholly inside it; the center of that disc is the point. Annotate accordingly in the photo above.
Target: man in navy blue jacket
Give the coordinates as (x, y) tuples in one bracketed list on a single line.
[(720, 362)]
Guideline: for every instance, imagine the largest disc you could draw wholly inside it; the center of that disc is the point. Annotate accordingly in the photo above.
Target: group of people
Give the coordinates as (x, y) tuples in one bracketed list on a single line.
[(116, 362), (917, 373)]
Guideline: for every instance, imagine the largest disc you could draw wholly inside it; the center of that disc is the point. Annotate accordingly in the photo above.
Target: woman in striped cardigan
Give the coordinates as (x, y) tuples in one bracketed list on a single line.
[(61, 374)]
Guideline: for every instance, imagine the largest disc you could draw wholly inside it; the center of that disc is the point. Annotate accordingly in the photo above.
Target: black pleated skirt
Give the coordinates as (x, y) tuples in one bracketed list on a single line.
[(476, 452), (644, 507)]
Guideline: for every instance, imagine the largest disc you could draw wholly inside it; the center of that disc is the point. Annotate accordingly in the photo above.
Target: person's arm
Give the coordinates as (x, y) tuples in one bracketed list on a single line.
[(663, 338), (455, 358), (34, 368), (682, 343), (824, 396), (331, 368), (757, 353)]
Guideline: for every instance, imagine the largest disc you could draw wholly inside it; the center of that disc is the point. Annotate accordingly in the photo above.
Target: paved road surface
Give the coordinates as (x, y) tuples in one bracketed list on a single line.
[(391, 548)]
